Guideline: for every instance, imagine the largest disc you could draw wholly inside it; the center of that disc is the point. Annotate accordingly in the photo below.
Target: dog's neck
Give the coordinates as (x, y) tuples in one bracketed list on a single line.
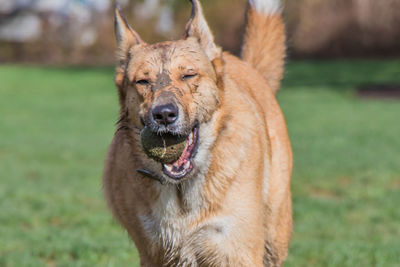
[(189, 194)]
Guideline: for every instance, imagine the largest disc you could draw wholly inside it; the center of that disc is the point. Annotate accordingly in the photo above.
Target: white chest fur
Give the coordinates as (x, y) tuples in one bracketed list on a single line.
[(173, 218)]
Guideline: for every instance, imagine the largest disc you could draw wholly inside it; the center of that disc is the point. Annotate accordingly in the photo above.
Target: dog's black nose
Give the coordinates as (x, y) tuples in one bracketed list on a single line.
[(165, 114)]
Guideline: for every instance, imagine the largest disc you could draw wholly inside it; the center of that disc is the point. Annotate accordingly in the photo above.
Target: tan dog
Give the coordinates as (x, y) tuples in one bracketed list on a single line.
[(226, 201)]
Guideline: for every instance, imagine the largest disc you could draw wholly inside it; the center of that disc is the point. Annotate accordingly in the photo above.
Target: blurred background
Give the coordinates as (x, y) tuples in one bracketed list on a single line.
[(58, 108), (80, 32)]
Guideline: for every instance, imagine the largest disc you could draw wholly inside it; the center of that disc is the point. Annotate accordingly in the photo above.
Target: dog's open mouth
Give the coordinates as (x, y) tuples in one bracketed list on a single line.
[(184, 165)]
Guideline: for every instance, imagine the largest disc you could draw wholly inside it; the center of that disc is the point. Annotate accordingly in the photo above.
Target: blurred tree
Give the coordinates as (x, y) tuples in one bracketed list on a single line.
[(342, 28)]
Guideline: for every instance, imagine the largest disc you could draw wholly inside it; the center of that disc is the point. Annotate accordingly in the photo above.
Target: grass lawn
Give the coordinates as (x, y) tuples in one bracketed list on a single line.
[(56, 123)]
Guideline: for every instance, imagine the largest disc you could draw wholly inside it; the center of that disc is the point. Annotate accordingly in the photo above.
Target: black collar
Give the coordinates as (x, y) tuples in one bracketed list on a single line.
[(152, 175)]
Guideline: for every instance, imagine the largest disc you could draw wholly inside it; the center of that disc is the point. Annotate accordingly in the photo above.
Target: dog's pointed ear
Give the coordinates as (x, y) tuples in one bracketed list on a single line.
[(197, 27), (125, 35)]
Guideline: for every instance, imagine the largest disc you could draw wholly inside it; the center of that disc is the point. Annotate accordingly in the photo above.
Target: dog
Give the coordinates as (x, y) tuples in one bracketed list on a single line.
[(226, 201)]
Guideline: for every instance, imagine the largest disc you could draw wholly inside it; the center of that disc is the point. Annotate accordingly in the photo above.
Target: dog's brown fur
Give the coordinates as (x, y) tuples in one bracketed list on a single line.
[(234, 208)]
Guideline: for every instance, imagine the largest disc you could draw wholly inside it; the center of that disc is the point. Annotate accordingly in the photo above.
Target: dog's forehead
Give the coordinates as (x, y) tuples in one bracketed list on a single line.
[(168, 54), (166, 59), (179, 52)]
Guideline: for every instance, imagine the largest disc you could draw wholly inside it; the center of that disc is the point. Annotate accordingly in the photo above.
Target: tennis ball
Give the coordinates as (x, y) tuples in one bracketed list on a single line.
[(164, 148)]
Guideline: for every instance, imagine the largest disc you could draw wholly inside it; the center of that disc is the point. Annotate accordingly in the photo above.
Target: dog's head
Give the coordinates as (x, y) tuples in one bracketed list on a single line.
[(170, 87)]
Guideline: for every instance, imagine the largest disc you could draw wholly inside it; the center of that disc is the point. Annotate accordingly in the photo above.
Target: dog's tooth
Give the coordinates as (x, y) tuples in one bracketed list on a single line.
[(191, 138), (168, 167), (187, 164)]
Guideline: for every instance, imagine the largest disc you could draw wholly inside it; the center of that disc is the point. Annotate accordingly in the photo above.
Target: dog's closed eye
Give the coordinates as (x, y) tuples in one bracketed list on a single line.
[(143, 82), (188, 76)]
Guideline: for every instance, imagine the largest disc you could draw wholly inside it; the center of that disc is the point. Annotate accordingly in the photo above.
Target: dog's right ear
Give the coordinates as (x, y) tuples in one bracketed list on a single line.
[(198, 28), (125, 35)]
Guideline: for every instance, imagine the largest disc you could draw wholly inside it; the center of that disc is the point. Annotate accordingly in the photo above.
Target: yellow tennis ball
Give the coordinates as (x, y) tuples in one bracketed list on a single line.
[(165, 148)]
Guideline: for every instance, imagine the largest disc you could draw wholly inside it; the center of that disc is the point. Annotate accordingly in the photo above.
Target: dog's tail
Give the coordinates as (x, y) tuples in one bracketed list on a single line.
[(264, 43)]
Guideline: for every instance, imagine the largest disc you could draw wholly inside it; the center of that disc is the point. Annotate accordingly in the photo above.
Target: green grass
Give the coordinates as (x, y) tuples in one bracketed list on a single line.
[(56, 124), (346, 182)]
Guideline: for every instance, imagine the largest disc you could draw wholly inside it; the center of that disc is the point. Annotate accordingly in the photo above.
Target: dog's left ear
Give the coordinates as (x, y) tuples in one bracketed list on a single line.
[(197, 27)]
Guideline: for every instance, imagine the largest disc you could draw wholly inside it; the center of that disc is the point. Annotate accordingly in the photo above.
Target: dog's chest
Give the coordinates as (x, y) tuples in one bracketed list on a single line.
[(166, 235), (173, 223)]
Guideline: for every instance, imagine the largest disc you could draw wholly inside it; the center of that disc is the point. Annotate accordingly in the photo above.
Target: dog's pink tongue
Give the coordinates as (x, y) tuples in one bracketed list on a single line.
[(182, 159)]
